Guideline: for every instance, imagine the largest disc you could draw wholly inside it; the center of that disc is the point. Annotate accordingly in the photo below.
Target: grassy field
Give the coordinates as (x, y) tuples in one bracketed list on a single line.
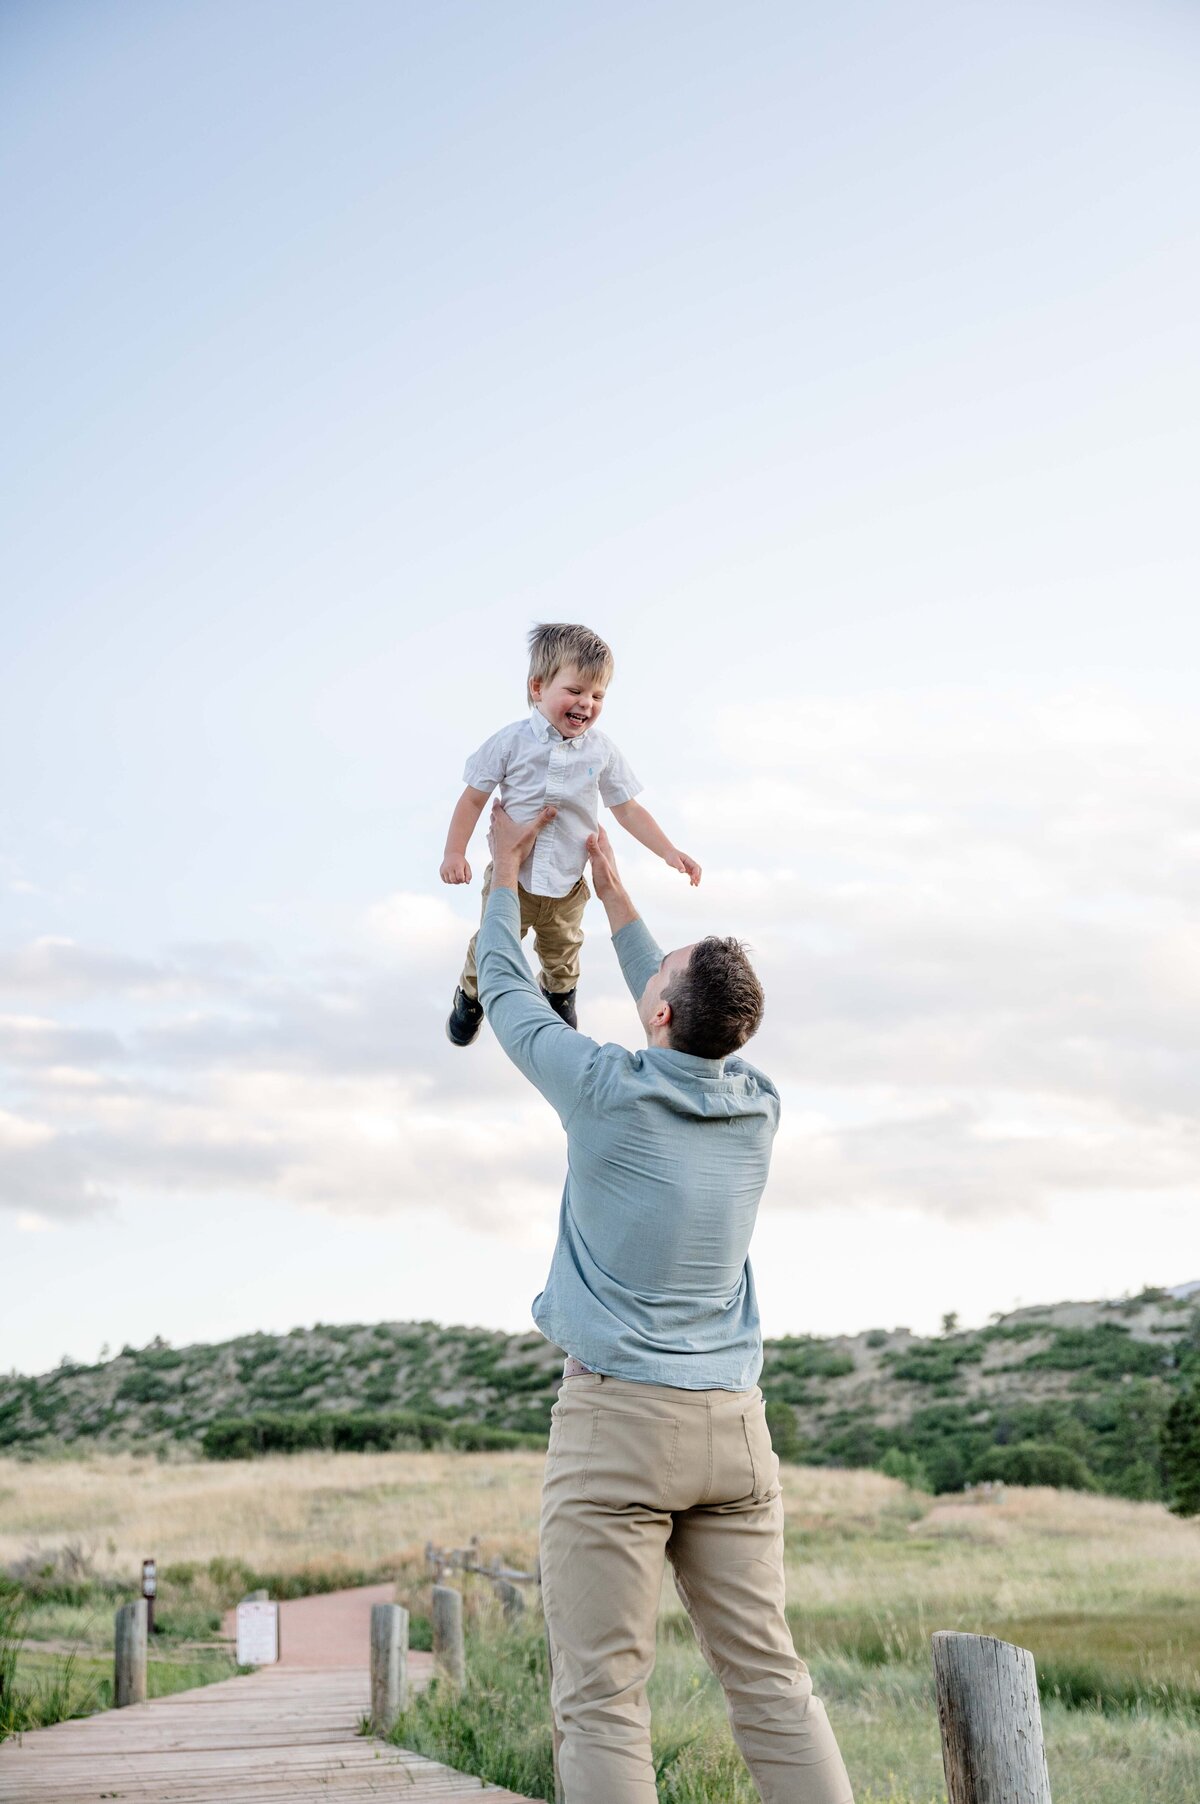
[(1105, 1592), (43, 1687)]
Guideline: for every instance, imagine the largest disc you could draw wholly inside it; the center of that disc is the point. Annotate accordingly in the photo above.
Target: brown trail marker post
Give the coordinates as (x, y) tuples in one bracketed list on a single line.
[(150, 1592)]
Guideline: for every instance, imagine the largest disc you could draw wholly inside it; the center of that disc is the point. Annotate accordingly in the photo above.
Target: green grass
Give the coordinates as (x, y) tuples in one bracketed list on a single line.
[(39, 1687), (1143, 1743), (1151, 1658)]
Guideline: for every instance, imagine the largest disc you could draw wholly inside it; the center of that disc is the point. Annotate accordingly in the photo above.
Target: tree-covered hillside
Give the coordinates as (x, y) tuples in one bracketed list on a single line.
[(1069, 1393)]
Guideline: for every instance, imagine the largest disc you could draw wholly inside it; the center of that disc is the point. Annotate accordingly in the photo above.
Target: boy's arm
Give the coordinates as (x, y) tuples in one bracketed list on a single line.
[(641, 823), (463, 822)]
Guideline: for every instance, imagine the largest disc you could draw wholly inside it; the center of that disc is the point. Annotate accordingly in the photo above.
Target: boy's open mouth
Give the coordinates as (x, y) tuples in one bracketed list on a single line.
[(578, 720)]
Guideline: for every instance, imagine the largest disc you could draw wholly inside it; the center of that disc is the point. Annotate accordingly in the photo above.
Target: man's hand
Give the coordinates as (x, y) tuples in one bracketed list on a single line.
[(689, 867), (455, 869), (605, 877), (512, 842), (607, 883)]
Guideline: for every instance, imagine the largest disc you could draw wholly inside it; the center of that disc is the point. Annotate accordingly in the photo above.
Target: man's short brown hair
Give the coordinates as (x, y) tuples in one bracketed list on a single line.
[(716, 1000), (553, 643)]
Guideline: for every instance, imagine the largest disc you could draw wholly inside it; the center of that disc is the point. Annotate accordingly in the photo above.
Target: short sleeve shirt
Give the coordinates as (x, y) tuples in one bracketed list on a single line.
[(534, 767)]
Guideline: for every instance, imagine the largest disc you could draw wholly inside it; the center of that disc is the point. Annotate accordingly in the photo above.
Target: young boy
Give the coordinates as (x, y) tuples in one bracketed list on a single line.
[(555, 756)]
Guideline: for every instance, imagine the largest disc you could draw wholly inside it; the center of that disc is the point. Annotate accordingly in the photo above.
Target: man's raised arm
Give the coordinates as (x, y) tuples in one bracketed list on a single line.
[(633, 942), (552, 1055)]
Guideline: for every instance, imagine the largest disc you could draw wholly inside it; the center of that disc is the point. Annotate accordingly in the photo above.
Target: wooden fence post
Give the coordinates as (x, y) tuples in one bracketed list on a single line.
[(990, 1719), (389, 1665), (448, 1652), (129, 1655)]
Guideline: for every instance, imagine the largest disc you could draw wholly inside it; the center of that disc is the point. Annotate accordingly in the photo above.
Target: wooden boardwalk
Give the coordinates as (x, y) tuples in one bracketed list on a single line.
[(282, 1735)]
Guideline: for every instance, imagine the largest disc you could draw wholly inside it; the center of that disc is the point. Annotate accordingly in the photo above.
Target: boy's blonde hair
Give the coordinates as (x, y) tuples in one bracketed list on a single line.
[(553, 644)]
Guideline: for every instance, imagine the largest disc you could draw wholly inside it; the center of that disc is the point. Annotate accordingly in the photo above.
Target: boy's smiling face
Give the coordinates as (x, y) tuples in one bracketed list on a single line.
[(570, 701)]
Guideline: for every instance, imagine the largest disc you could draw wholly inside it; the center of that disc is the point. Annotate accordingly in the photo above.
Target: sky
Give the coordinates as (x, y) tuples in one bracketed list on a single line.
[(837, 365)]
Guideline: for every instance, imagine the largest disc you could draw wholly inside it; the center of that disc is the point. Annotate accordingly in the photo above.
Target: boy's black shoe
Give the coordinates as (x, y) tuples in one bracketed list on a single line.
[(466, 1018), (563, 1003)]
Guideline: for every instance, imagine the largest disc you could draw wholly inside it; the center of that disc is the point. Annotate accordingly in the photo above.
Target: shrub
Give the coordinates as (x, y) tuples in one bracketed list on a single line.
[(143, 1387), (1036, 1463), (934, 1362), (1181, 1452), (786, 1438), (158, 1357), (242, 1437), (907, 1467), (804, 1357), (1107, 1351)]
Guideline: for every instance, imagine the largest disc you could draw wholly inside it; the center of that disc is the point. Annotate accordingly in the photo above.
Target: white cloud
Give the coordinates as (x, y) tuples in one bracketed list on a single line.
[(976, 924), (418, 926)]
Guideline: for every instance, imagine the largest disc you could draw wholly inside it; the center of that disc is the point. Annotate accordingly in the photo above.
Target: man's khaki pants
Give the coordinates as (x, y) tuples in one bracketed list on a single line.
[(557, 923), (636, 1471)]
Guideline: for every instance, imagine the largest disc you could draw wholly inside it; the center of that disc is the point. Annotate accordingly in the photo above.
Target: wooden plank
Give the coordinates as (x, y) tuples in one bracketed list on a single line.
[(281, 1736)]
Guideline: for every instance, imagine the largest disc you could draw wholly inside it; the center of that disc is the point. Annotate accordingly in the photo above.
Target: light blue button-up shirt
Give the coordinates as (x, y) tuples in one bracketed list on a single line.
[(667, 1158)]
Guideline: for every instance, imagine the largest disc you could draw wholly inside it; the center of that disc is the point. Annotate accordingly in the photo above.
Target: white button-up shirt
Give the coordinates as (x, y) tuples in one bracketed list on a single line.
[(535, 768)]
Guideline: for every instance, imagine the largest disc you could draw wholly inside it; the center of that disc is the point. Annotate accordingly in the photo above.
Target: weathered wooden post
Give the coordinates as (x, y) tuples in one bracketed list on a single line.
[(511, 1601), (449, 1654), (389, 1665), (990, 1719), (129, 1655)]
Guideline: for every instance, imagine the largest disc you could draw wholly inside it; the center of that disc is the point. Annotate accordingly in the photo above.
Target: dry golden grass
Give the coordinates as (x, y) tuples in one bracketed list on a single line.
[(1027, 1552), (290, 1511), (854, 1538)]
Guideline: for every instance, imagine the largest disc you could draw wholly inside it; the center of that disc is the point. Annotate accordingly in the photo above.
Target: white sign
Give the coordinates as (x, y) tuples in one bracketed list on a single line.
[(257, 1634)]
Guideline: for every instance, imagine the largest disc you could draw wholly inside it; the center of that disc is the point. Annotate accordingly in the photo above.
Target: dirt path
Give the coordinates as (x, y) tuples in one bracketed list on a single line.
[(332, 1631)]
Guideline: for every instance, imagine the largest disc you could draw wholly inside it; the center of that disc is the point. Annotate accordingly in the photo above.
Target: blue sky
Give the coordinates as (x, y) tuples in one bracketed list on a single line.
[(838, 366)]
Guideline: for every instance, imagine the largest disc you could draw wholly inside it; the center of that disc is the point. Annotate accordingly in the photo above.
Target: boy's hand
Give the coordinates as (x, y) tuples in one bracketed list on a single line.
[(455, 869), (689, 867)]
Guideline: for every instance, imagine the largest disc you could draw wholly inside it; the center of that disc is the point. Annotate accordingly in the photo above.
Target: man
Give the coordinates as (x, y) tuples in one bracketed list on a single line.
[(659, 1443)]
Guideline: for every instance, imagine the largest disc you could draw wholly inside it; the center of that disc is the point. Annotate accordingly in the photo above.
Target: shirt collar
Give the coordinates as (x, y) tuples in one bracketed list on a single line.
[(544, 729), (689, 1062)]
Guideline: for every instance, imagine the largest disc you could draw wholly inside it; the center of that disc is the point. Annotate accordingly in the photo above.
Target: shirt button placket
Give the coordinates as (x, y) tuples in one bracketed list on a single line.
[(543, 858)]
